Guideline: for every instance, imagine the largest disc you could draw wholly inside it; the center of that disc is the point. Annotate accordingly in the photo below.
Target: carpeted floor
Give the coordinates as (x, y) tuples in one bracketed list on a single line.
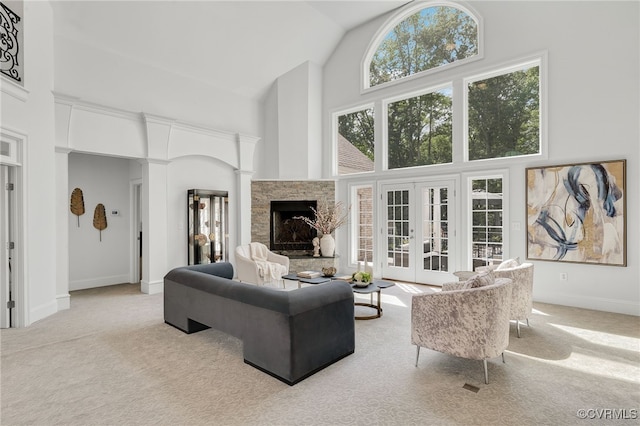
[(111, 360)]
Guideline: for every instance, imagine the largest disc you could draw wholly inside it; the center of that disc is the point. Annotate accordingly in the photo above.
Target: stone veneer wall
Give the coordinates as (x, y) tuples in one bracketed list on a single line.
[(265, 191)]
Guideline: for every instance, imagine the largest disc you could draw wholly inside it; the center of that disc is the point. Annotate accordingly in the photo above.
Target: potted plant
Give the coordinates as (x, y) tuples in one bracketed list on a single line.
[(327, 218)]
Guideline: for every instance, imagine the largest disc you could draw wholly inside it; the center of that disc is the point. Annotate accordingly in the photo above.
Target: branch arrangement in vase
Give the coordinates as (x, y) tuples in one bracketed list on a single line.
[(327, 218)]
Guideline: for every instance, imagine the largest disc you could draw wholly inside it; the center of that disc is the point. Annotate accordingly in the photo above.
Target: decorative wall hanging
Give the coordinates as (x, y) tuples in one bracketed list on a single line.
[(100, 219), (77, 203), (577, 213), (10, 52)]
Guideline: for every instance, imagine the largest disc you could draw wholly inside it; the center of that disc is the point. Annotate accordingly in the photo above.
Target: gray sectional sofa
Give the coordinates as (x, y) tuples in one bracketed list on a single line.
[(287, 334)]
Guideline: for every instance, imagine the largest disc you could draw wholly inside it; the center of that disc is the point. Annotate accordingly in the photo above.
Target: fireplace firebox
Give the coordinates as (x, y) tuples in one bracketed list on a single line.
[(288, 233)]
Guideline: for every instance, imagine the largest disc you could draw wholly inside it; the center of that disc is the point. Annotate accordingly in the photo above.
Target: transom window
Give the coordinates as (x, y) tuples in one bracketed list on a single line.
[(430, 38)]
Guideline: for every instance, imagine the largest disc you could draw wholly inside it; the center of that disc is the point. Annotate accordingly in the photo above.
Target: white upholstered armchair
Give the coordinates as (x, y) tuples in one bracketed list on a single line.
[(469, 323), (256, 264), (522, 292)]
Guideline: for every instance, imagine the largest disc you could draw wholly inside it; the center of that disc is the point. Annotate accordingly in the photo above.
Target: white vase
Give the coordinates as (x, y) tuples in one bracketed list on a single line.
[(368, 268), (327, 245)]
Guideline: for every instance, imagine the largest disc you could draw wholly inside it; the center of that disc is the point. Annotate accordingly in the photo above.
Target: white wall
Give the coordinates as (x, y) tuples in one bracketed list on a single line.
[(92, 262), (593, 111), (194, 173), (268, 153), (125, 83), (177, 156), (298, 115), (29, 113)]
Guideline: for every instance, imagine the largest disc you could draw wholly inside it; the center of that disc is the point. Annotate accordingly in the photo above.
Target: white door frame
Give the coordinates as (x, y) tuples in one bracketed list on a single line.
[(135, 226), (17, 171), (415, 271), (6, 204)]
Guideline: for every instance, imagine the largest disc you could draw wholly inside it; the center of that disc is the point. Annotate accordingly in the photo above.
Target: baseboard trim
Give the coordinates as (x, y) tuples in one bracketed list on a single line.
[(152, 287), (63, 301), (595, 303), (98, 282), (43, 311)]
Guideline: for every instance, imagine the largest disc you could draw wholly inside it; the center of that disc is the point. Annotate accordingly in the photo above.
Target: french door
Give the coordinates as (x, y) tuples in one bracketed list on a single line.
[(6, 202), (419, 240)]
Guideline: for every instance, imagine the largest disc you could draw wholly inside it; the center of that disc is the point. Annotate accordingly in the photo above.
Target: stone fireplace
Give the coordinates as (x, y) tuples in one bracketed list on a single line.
[(291, 237), (287, 232)]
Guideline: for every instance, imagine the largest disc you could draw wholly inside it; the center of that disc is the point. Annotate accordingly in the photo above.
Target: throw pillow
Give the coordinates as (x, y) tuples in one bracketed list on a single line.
[(486, 278), (480, 280), (473, 282), (509, 264)]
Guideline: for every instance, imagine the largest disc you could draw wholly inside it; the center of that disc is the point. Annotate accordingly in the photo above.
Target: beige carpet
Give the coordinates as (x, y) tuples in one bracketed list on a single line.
[(111, 360)]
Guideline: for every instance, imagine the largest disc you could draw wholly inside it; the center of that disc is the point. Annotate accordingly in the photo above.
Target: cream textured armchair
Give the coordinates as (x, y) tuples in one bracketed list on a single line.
[(268, 267), (522, 293), (469, 323)]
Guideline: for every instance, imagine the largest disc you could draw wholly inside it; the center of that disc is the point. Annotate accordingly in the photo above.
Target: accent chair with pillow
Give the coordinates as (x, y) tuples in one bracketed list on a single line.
[(256, 264), (465, 322), (522, 293)]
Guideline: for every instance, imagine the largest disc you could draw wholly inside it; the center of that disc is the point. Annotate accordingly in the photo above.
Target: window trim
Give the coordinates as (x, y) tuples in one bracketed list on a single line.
[(394, 20), (539, 59)]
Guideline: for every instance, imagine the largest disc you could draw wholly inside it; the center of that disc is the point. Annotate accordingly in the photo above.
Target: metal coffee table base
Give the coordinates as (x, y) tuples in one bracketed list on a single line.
[(377, 307)]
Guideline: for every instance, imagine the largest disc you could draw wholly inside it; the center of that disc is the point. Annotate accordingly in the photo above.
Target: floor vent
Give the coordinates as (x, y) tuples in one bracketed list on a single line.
[(472, 388)]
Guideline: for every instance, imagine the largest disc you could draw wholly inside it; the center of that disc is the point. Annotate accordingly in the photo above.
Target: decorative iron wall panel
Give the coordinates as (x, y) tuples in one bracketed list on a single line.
[(10, 44)]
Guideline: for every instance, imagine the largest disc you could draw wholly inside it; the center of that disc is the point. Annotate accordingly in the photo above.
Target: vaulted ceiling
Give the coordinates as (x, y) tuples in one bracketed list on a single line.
[(236, 46)]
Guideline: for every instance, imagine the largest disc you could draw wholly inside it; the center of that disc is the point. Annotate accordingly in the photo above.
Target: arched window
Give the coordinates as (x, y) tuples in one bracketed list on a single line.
[(422, 39)]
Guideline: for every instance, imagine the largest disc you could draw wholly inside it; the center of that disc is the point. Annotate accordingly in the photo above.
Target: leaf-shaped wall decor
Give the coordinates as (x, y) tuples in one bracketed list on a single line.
[(100, 219), (77, 203)]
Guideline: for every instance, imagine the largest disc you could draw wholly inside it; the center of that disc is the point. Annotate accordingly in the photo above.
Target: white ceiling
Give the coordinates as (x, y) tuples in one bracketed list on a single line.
[(237, 46)]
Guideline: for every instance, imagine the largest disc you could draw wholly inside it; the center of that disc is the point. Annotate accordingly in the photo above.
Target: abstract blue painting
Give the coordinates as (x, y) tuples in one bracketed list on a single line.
[(577, 213)]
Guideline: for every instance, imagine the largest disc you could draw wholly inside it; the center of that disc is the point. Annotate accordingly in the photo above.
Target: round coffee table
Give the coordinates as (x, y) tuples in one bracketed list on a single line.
[(372, 288)]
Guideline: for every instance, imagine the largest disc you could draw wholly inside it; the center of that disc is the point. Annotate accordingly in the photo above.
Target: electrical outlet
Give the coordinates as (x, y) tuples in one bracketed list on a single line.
[(563, 276)]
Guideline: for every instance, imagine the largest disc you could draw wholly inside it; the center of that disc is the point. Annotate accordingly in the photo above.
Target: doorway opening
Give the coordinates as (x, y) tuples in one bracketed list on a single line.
[(136, 231), (7, 237)]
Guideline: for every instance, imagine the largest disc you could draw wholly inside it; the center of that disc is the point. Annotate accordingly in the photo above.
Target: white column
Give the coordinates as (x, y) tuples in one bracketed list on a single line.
[(154, 225), (246, 149), (62, 228), (154, 204)]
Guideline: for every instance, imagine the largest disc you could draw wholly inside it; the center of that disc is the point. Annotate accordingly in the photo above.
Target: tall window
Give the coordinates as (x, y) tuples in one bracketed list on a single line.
[(419, 130), (355, 142), (487, 224), (363, 225), (430, 38), (504, 114)]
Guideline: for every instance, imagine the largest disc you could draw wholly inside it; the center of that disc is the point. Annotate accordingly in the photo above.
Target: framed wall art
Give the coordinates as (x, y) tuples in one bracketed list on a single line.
[(577, 213)]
